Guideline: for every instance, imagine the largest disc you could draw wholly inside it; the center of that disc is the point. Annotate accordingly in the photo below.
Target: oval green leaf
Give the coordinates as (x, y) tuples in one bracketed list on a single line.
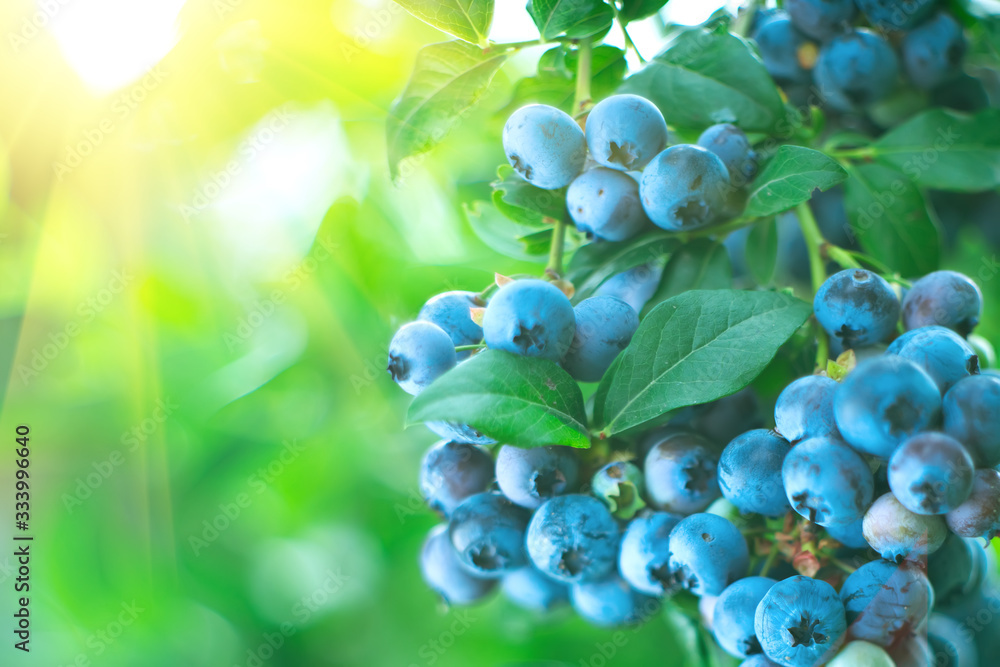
[(466, 19), (790, 178)]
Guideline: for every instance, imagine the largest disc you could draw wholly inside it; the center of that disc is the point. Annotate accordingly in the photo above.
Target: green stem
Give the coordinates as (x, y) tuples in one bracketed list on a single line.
[(814, 241), (844, 258), (771, 557), (554, 267), (864, 152), (463, 348), (849, 569), (629, 44), (509, 46), (582, 97)]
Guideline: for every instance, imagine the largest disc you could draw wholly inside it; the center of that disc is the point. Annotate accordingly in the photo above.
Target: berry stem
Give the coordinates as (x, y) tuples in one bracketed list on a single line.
[(463, 348), (769, 562), (842, 565), (581, 99), (554, 267), (814, 242), (629, 44)]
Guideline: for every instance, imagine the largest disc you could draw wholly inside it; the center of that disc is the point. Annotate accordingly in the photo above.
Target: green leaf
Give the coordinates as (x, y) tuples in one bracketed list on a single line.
[(790, 178), (513, 399), (524, 203), (633, 10), (945, 150), (692, 349), (574, 18), (890, 218), (701, 264), (448, 79), (555, 83), (761, 251), (708, 77), (594, 263), (466, 19), (504, 235)]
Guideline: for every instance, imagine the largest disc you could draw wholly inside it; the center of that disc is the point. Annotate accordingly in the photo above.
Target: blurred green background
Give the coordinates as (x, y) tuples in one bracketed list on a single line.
[(202, 260)]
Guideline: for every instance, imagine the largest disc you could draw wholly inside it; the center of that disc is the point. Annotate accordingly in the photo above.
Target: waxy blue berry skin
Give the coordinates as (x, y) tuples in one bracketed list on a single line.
[(886, 602), (733, 616), (450, 472), (684, 188), (444, 574), (604, 327), (951, 643), (707, 553), (635, 286), (821, 19), (573, 538), (730, 143), (856, 307), (459, 433), (850, 535), (625, 132), (856, 70), (420, 353), (979, 516), (681, 474), (530, 589), (531, 318), (452, 312), (931, 473), (604, 204), (896, 14), (942, 353), (805, 409), (758, 661), (971, 412), (883, 401), (957, 569), (827, 482), (933, 51), (529, 477), (545, 146), (896, 533), (782, 47), (487, 531), (611, 602), (943, 298), (801, 622), (750, 473), (645, 553)]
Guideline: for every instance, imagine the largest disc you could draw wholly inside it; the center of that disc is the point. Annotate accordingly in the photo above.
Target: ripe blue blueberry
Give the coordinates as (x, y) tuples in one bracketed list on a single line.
[(707, 553), (487, 531), (635, 286), (531, 318), (850, 535), (611, 602), (827, 482), (957, 569), (529, 477), (800, 622), (971, 412), (750, 473), (856, 70), (451, 472), (530, 589), (604, 204), (943, 298), (979, 516), (942, 353), (758, 661), (573, 538), (788, 54), (730, 143), (886, 602), (896, 14), (896, 533), (723, 419), (619, 485), (861, 654), (604, 327), (951, 643), (444, 574), (820, 19), (733, 616), (459, 433), (420, 353), (681, 474), (625, 132), (684, 188), (933, 51), (451, 311), (805, 409), (883, 401), (857, 307), (931, 473), (545, 146), (645, 553)]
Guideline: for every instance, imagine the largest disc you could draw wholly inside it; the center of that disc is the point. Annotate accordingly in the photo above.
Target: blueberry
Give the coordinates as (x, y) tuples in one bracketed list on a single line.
[(530, 317), (883, 401), (611, 602), (820, 19), (459, 433), (896, 14), (619, 485), (441, 570), (951, 643), (635, 286), (530, 589), (805, 409), (788, 55), (943, 298), (730, 143), (850, 535), (604, 327), (573, 538), (941, 352), (487, 531), (732, 619), (645, 553), (684, 188), (885, 602), (979, 516), (856, 70), (912, 652), (861, 654), (750, 473), (529, 477), (707, 553), (452, 312), (933, 51), (681, 474), (827, 482), (931, 473), (800, 622), (831, 216), (625, 132), (896, 533), (971, 411), (451, 472), (857, 307), (758, 661), (420, 353), (544, 145), (725, 418), (957, 569), (604, 204)]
